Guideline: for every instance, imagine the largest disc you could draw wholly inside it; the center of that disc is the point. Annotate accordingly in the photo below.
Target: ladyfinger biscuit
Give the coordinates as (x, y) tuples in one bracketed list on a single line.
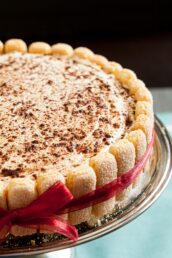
[(101, 61), (125, 75), (62, 49), (40, 48), (145, 123), (144, 108), (15, 45), (105, 167), (45, 181), (81, 181), (138, 139), (124, 153), (21, 192), (142, 93), (84, 52)]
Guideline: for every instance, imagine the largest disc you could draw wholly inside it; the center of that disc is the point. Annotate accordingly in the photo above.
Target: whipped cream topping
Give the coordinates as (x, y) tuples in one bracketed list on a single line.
[(56, 112)]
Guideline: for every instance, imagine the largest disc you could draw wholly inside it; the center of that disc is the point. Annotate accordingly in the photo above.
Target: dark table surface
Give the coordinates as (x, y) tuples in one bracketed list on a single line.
[(138, 34)]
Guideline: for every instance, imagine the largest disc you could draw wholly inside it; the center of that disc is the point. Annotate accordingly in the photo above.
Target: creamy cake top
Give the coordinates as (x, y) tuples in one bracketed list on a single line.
[(56, 112)]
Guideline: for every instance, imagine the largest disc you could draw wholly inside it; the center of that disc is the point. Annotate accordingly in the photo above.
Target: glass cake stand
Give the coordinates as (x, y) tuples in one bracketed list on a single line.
[(161, 174)]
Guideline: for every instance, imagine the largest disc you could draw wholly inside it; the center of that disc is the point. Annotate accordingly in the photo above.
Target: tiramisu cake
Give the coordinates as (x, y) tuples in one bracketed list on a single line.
[(70, 115)]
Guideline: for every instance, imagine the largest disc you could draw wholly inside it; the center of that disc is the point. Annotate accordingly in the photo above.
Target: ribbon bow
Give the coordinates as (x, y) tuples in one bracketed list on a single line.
[(41, 213)]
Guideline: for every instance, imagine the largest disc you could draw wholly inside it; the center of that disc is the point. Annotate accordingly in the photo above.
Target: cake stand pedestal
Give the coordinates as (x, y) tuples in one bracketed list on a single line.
[(65, 253), (161, 174)]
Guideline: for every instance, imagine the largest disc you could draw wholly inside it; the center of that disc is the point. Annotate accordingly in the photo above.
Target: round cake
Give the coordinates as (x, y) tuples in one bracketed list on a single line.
[(69, 115)]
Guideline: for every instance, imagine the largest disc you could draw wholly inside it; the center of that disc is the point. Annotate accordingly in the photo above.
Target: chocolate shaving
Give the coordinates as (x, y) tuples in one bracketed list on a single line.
[(10, 172), (53, 108)]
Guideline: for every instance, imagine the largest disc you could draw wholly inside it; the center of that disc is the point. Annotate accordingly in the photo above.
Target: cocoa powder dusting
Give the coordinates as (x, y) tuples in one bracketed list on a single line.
[(57, 112)]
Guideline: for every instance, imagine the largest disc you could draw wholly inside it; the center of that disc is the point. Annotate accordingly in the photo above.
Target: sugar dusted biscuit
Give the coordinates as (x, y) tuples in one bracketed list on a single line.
[(125, 75), (100, 60), (105, 167), (142, 93), (12, 45), (80, 182), (40, 48), (144, 108), (20, 193), (124, 153), (46, 180), (138, 139), (115, 66), (145, 123), (62, 49), (84, 52)]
